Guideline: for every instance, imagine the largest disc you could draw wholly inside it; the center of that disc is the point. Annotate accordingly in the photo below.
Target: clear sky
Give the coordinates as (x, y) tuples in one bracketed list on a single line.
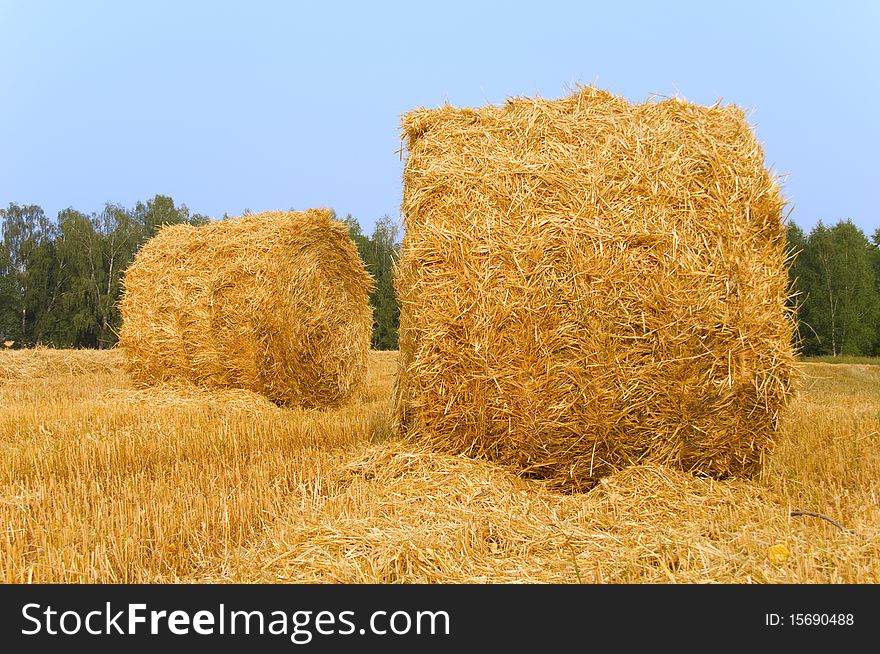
[(271, 105)]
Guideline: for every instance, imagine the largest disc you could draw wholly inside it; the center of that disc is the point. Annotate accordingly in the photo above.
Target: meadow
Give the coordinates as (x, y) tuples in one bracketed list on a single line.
[(103, 482)]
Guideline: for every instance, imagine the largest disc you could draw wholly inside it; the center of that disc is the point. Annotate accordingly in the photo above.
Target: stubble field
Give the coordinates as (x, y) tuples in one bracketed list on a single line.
[(101, 482)]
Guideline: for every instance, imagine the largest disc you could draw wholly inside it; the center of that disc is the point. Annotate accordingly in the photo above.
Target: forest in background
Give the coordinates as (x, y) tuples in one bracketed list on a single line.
[(61, 279)]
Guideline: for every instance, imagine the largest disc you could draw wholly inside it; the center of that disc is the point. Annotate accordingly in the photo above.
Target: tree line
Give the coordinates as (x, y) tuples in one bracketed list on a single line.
[(60, 279), (835, 281)]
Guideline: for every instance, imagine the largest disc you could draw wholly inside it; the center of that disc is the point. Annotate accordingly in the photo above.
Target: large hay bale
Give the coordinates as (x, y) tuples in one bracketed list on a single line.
[(587, 284), (276, 303)]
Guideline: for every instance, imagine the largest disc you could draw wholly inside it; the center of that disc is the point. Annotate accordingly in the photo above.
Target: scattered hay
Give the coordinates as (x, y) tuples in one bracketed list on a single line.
[(275, 303), (587, 284), (399, 513)]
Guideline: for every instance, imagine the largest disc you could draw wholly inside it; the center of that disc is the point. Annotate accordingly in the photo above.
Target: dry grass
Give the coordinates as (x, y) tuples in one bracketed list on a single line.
[(47, 362), (586, 284), (872, 361), (100, 482)]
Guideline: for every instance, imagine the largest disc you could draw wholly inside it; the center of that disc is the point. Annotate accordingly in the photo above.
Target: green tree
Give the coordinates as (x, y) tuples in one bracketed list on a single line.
[(379, 254), (80, 261), (160, 211), (796, 243), (27, 236), (60, 281), (121, 233), (41, 298), (875, 257), (385, 251), (10, 324), (840, 299), (354, 231)]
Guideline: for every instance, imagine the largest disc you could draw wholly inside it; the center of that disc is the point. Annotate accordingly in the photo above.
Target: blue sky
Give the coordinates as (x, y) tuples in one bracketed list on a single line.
[(265, 105)]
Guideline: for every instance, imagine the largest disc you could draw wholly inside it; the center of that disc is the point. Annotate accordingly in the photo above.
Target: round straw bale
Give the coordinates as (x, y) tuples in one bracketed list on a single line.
[(276, 303), (587, 284)]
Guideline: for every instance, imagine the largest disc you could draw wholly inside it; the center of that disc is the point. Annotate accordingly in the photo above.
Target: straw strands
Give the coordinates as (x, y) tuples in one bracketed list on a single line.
[(275, 303), (587, 284), (41, 362), (220, 485), (401, 513)]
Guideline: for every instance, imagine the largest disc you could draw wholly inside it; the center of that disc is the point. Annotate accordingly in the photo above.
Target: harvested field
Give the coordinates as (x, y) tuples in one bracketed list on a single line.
[(46, 362), (104, 482)]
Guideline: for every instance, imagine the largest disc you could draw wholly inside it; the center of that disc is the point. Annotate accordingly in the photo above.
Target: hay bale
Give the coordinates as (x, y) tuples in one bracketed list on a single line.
[(276, 303), (587, 284)]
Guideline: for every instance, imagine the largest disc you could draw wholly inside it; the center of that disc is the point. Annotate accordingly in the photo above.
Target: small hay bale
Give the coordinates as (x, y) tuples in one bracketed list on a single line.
[(276, 303), (587, 284)]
